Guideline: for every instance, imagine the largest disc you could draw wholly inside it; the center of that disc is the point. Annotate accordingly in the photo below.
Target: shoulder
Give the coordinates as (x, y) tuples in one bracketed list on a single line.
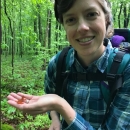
[(103, 61), (126, 72), (53, 62), (65, 56), (69, 57)]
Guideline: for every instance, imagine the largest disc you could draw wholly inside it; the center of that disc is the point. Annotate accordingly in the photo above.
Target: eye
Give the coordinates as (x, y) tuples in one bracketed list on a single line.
[(92, 15), (70, 21)]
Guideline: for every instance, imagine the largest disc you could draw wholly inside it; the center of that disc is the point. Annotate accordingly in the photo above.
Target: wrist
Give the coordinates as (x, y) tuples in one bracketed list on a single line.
[(54, 115), (66, 111)]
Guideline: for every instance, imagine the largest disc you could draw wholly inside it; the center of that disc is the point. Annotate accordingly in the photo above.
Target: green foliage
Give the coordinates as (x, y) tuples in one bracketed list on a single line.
[(119, 8), (6, 127), (24, 121), (28, 78), (26, 74), (31, 20), (35, 123)]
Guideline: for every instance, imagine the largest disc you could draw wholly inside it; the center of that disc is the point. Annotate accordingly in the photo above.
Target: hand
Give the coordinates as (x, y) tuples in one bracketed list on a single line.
[(55, 125), (36, 104)]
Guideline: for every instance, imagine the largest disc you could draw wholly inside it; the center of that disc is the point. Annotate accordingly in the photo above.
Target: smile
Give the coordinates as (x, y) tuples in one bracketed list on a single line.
[(85, 39)]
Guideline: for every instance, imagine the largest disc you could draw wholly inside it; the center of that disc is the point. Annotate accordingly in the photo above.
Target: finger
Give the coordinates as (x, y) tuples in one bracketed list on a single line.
[(14, 96), (28, 96), (21, 106), (11, 98), (54, 127), (50, 128), (15, 104)]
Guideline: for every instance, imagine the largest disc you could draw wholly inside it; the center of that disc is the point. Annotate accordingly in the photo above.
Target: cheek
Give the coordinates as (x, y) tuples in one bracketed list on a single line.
[(69, 33), (101, 22), (101, 27)]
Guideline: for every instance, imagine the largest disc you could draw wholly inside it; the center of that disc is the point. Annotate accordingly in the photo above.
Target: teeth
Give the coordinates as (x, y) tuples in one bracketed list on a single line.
[(85, 39)]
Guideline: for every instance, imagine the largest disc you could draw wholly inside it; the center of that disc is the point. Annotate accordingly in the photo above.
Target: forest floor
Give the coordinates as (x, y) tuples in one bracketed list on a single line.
[(28, 78), (14, 123)]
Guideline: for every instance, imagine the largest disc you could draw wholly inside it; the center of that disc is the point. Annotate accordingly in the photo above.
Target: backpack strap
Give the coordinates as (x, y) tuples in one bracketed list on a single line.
[(59, 68), (120, 61), (61, 63), (114, 71)]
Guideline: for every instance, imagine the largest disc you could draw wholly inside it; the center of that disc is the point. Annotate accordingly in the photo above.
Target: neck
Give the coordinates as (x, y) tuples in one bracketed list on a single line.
[(87, 60)]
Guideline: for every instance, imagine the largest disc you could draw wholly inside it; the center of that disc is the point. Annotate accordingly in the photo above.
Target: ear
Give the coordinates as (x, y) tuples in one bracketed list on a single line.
[(107, 21)]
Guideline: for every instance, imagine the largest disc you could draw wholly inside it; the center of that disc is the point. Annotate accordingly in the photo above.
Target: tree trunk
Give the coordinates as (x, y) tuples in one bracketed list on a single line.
[(0, 38), (125, 17), (119, 24), (128, 16), (39, 24), (20, 31), (49, 28), (12, 35)]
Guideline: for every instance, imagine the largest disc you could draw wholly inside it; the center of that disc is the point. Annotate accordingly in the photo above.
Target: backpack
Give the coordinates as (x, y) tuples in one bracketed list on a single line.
[(118, 60)]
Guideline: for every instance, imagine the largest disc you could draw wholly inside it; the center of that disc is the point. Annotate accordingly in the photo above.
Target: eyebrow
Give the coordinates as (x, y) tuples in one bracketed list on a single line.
[(88, 9)]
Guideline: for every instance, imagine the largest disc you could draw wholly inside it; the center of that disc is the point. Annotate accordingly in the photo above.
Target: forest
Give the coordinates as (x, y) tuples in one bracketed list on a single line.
[(30, 36)]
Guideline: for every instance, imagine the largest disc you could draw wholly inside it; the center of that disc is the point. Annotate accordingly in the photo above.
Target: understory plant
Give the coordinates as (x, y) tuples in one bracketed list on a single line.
[(28, 77), (6, 127)]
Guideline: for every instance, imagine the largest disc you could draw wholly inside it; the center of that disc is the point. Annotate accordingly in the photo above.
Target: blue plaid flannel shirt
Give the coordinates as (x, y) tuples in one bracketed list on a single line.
[(86, 98)]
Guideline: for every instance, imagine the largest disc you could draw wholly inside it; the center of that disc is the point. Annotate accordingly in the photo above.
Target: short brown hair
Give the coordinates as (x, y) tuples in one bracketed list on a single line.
[(62, 6)]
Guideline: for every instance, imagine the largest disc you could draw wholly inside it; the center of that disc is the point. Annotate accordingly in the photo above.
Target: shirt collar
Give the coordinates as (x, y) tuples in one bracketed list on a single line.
[(101, 63)]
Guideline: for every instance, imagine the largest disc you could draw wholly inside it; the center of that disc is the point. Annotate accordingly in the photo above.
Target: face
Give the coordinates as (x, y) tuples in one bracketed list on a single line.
[(85, 26)]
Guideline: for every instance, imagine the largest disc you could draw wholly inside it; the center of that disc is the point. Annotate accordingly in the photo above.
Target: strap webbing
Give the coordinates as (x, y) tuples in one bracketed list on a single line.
[(98, 76), (60, 67), (116, 62), (115, 84), (115, 81)]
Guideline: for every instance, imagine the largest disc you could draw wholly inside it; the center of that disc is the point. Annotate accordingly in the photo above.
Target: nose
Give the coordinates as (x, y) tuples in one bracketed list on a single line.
[(82, 26)]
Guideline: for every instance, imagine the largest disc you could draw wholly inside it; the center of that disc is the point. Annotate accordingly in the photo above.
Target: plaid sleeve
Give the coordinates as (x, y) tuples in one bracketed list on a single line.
[(79, 124), (49, 81), (119, 114)]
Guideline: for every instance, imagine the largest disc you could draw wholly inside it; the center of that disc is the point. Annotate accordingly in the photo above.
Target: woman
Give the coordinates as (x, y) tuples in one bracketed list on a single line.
[(87, 23)]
